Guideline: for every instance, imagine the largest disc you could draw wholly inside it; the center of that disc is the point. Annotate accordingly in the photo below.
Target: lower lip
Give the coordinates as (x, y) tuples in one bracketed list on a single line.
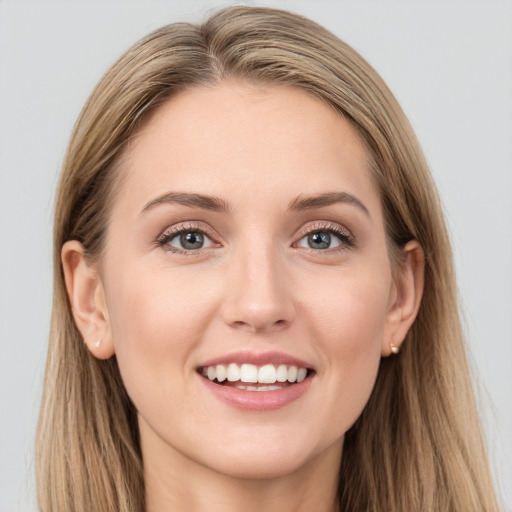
[(257, 400)]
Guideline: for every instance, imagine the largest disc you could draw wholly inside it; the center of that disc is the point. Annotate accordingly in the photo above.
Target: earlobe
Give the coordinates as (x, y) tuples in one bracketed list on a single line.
[(87, 299), (408, 291)]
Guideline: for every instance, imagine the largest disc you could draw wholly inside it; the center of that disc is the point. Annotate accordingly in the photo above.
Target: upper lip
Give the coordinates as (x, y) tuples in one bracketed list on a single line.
[(257, 359)]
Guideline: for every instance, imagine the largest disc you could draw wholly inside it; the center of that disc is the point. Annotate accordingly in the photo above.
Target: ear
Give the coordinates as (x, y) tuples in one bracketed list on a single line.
[(87, 299), (406, 296)]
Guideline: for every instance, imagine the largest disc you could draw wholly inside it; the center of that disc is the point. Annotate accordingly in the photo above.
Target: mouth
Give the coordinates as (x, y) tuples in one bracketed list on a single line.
[(251, 377)]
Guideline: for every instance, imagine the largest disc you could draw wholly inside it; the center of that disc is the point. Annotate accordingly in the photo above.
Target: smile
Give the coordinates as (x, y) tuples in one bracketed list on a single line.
[(250, 377), (257, 382)]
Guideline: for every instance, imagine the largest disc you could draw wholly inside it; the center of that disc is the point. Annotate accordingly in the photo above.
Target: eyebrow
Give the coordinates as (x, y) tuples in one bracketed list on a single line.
[(217, 204), (326, 199), (211, 203)]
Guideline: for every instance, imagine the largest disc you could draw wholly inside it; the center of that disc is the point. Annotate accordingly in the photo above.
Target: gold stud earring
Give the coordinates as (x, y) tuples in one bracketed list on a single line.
[(394, 349)]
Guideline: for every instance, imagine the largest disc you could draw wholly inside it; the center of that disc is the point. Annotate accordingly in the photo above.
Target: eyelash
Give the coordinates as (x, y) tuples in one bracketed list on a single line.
[(344, 236), (346, 239), (175, 231)]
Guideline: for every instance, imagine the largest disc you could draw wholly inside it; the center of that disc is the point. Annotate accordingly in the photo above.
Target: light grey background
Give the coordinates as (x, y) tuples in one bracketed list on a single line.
[(448, 62)]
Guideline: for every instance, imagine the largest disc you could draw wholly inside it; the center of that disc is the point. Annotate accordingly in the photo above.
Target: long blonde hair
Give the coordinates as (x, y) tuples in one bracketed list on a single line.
[(418, 445)]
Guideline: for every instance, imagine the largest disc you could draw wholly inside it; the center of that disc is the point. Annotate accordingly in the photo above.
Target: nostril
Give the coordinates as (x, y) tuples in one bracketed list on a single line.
[(255, 326)]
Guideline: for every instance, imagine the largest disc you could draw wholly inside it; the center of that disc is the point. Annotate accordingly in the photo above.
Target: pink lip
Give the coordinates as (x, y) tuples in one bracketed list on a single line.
[(257, 400), (275, 358)]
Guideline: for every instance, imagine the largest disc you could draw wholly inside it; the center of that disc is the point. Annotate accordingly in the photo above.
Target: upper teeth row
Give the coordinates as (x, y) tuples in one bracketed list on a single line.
[(267, 374)]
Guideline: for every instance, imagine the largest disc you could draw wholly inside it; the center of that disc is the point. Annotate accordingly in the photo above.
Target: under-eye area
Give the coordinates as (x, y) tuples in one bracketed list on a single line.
[(250, 377)]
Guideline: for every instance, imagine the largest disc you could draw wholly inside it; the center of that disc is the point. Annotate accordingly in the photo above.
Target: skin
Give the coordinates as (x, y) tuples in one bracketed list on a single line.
[(256, 286)]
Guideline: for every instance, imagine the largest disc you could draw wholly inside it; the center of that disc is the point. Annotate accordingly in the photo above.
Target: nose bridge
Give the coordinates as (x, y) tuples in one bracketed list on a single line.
[(257, 296)]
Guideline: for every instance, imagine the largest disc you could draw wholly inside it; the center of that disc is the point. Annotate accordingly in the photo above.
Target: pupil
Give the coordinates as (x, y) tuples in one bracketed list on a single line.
[(319, 240), (192, 240)]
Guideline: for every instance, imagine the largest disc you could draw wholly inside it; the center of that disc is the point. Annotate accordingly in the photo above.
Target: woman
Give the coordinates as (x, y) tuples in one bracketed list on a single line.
[(254, 295)]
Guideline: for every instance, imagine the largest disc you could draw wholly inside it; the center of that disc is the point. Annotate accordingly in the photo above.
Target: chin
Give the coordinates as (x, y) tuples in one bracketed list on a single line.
[(271, 458), (260, 468)]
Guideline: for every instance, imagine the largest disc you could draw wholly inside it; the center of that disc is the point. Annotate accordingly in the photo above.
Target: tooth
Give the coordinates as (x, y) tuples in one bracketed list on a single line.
[(292, 374), (221, 372), (301, 374), (249, 373), (233, 373), (282, 373), (267, 374)]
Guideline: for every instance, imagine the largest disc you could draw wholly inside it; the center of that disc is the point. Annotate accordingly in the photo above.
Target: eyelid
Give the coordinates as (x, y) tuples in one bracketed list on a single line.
[(346, 237), (188, 226)]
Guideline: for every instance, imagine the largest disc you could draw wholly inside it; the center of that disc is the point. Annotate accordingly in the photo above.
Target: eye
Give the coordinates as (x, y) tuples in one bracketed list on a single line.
[(319, 240), (190, 240), (323, 238), (185, 240)]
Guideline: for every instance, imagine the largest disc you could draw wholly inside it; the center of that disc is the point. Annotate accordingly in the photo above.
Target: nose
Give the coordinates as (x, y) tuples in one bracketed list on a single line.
[(258, 295)]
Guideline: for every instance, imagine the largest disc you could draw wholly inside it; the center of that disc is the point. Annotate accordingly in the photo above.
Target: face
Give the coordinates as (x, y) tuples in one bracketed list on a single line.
[(246, 280)]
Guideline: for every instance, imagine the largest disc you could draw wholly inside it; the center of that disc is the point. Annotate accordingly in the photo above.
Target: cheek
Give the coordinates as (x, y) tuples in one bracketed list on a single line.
[(350, 327), (351, 309), (157, 318)]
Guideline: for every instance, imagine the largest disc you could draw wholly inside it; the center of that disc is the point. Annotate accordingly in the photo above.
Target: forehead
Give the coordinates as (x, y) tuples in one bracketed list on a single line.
[(236, 138)]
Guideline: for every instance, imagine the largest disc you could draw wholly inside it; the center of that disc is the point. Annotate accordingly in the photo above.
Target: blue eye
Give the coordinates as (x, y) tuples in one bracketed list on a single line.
[(185, 240), (325, 236), (320, 240)]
